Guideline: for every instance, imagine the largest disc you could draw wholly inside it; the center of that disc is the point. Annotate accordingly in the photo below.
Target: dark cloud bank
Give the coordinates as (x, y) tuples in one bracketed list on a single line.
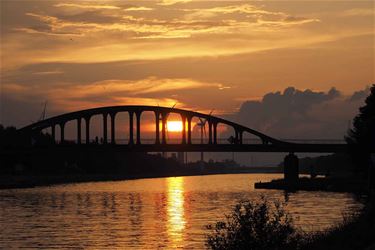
[(296, 114), (308, 114)]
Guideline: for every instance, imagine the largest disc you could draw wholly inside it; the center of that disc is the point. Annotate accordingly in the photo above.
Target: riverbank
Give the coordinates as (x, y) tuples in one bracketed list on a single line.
[(30, 181), (355, 232), (347, 184)]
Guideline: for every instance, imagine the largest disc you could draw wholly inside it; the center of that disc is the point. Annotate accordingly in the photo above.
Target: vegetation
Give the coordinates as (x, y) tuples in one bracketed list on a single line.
[(357, 231), (254, 225), (260, 225), (361, 138)]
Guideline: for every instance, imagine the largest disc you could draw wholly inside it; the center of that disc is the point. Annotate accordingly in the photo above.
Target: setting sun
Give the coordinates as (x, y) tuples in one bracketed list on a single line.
[(174, 126)]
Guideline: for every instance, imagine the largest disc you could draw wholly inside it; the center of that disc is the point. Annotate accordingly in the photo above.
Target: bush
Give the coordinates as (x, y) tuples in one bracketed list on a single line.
[(255, 225)]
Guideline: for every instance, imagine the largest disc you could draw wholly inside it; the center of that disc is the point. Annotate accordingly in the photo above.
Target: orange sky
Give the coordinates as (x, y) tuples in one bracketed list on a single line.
[(201, 54)]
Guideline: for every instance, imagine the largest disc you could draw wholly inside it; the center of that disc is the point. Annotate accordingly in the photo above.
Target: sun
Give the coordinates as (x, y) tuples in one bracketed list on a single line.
[(174, 126)]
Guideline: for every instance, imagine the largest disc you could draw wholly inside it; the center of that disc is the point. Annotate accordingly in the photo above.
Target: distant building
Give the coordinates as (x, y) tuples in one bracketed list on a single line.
[(173, 156), (181, 157)]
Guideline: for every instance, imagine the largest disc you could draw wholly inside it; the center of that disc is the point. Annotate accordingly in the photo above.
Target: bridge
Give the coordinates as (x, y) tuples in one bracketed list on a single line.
[(262, 143)]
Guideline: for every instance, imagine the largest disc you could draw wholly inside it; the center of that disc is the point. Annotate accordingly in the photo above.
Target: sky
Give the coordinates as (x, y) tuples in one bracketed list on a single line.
[(290, 69)]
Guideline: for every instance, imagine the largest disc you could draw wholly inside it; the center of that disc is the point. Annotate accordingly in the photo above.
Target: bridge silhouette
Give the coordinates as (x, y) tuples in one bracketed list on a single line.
[(238, 143)]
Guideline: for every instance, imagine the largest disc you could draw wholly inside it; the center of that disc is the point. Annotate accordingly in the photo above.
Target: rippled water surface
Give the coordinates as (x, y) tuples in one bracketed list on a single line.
[(163, 213)]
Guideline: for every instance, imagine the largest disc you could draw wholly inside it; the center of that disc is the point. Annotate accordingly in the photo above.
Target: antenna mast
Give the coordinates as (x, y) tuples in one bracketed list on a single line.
[(43, 115)]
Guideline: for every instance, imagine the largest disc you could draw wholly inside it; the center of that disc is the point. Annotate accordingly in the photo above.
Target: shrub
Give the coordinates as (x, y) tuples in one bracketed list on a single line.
[(254, 225)]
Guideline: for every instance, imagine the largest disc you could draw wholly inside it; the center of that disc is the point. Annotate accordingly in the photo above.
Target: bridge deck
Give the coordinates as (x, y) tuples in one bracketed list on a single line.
[(297, 148)]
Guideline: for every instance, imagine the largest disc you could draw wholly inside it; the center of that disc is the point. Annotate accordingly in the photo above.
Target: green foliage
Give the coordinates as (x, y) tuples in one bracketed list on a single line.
[(361, 138), (254, 225)]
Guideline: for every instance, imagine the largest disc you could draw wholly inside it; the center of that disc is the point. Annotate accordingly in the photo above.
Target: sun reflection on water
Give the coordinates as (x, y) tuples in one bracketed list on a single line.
[(175, 208)]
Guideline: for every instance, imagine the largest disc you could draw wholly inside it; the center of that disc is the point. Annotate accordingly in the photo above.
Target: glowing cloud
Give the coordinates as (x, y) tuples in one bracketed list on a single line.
[(87, 6)]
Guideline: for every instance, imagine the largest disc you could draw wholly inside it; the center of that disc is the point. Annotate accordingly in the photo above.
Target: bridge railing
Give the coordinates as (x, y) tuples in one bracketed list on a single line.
[(124, 141), (316, 141)]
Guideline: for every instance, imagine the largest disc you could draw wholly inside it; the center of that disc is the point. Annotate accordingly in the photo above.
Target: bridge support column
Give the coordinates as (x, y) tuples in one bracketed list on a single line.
[(189, 129), (113, 126), (236, 136), (105, 130), (241, 137), (291, 169), (183, 129), (215, 132), (138, 115), (157, 128), (53, 133), (164, 128), (79, 134), (209, 132), (62, 132), (87, 121), (131, 129)]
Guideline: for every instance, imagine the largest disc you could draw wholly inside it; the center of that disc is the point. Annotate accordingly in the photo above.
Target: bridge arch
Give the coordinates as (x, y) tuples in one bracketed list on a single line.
[(109, 114)]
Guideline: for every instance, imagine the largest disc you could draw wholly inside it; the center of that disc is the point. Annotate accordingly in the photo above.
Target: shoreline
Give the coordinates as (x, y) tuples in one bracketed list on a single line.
[(33, 181), (328, 184)]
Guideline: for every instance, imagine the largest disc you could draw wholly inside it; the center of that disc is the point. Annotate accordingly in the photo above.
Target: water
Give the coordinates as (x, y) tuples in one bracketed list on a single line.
[(162, 213)]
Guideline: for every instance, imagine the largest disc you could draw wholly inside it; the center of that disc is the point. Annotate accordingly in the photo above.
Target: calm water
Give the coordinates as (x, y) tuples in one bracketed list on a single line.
[(160, 213)]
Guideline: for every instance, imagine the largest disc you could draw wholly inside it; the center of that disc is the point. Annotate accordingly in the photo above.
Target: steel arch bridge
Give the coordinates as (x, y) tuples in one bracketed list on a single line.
[(268, 144)]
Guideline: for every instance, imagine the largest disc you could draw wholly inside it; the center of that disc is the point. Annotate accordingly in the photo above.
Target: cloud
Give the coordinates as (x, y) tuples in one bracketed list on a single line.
[(48, 72), (103, 7), (67, 96), (135, 27), (172, 2), (240, 8), (359, 95), (196, 29), (196, 22), (305, 114), (358, 12), (248, 13), (87, 6)]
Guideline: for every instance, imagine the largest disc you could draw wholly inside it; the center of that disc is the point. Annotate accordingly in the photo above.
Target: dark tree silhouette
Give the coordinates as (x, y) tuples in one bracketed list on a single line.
[(7, 135), (361, 138)]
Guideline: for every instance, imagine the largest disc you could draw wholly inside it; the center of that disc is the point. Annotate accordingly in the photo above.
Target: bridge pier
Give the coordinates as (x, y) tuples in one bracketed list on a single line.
[(113, 125), (53, 133), (131, 130), (79, 135), (183, 129), (163, 128), (189, 129), (209, 132), (236, 136), (291, 170), (62, 132), (138, 116), (87, 122), (215, 132), (105, 130), (157, 127)]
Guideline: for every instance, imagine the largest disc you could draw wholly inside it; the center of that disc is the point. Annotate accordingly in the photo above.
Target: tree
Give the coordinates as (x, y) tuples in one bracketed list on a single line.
[(361, 138)]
